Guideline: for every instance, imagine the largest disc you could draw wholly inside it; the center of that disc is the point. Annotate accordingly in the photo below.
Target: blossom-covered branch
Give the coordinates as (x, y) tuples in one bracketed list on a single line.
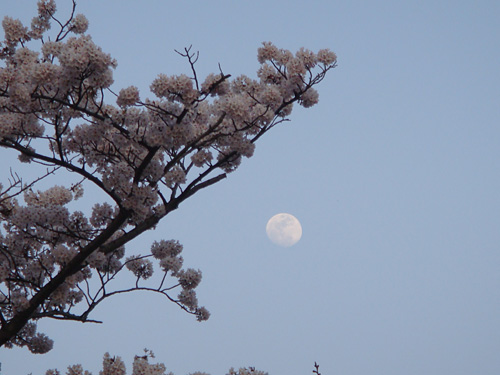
[(145, 156)]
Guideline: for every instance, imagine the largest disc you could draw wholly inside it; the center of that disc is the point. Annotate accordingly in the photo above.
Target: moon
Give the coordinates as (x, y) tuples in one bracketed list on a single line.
[(284, 230)]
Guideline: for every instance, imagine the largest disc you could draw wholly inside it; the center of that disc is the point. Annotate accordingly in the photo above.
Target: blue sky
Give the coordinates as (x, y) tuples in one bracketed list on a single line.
[(394, 176)]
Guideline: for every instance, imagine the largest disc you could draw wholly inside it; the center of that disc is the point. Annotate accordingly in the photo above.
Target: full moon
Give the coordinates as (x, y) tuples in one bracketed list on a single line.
[(284, 230)]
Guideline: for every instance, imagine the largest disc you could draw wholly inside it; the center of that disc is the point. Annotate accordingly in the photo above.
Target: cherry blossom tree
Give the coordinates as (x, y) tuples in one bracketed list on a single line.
[(142, 366), (144, 156)]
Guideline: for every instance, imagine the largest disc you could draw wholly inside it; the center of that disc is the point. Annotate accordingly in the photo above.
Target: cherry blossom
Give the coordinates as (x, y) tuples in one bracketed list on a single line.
[(142, 366), (144, 157)]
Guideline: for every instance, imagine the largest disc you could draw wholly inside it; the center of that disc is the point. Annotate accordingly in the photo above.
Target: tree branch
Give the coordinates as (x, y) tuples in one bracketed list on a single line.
[(9, 330)]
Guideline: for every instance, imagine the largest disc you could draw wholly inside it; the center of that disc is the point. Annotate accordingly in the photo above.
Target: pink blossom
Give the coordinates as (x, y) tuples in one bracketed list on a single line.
[(267, 52), (128, 96), (165, 249), (201, 157), (188, 298), (172, 264), (190, 278), (14, 30), (326, 57), (137, 159), (79, 24), (175, 177), (309, 98), (142, 268), (307, 57)]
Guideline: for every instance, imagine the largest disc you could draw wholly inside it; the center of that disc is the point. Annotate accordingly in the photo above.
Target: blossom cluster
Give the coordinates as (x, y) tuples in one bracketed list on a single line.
[(170, 261), (128, 96), (142, 366), (36, 342), (144, 156)]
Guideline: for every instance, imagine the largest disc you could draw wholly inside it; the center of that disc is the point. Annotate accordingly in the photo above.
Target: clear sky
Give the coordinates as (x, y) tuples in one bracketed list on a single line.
[(394, 176)]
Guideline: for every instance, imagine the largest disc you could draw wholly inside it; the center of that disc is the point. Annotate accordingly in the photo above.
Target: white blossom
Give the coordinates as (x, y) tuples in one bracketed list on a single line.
[(112, 366), (175, 176), (141, 366), (79, 24), (40, 344), (201, 157), (142, 268), (309, 98), (326, 57), (188, 298), (14, 30), (190, 278), (138, 160), (163, 249), (128, 96), (202, 314), (215, 84), (267, 52), (307, 57), (172, 264)]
